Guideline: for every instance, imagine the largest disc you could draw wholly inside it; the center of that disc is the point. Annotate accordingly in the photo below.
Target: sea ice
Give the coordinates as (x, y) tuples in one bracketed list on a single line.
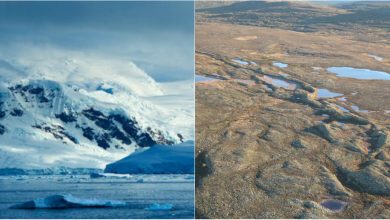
[(67, 201)]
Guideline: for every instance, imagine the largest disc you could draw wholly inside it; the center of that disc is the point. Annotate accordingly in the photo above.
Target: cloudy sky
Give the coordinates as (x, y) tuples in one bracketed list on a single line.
[(157, 36)]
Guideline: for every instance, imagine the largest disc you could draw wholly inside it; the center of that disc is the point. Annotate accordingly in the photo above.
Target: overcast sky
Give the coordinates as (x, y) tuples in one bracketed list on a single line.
[(156, 36)]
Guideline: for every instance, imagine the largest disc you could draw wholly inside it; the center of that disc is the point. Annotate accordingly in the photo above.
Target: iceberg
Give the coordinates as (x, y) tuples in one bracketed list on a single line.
[(159, 207), (158, 159), (67, 201)]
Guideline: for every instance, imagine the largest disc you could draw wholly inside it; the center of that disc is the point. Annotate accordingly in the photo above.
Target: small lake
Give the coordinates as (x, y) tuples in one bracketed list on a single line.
[(280, 65), (365, 74), (279, 82), (325, 93)]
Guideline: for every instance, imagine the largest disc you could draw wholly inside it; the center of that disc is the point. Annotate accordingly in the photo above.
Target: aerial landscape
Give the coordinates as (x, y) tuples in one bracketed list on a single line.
[(96, 121), (292, 109)]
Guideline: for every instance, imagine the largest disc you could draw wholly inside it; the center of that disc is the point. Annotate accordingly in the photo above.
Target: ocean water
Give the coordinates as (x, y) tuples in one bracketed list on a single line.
[(139, 192)]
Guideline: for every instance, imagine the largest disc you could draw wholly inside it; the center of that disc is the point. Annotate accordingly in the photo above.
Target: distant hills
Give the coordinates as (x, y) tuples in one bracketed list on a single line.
[(298, 16)]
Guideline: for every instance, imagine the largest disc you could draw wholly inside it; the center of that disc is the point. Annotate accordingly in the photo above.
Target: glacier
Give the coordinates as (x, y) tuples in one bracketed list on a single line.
[(158, 159), (85, 111)]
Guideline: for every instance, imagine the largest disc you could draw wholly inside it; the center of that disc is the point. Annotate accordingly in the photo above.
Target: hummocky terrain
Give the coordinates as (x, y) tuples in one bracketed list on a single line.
[(292, 110)]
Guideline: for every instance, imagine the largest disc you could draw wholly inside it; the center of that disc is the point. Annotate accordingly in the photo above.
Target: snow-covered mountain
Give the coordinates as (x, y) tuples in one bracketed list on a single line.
[(85, 111)]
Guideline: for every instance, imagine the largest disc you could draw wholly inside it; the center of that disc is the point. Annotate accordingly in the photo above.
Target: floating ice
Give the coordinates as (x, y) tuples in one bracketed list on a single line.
[(109, 175), (67, 201), (349, 72), (159, 207)]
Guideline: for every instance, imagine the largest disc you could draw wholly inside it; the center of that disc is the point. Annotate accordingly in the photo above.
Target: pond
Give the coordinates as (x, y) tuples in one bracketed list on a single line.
[(280, 65), (279, 82), (243, 62), (325, 93), (334, 205), (239, 61), (365, 74)]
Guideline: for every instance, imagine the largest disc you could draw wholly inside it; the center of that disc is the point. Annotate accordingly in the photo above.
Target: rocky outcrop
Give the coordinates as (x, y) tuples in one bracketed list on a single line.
[(2, 129), (383, 155), (302, 97), (298, 143), (203, 167), (351, 119), (378, 138), (57, 131), (335, 115), (323, 131), (332, 184), (372, 178)]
